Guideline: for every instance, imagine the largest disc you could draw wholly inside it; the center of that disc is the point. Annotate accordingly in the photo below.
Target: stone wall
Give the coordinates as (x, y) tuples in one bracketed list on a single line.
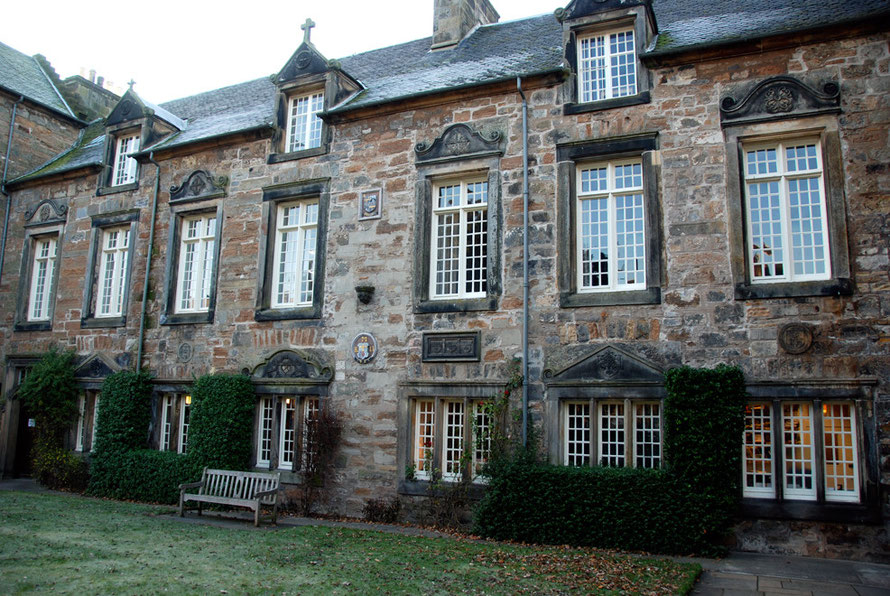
[(698, 321)]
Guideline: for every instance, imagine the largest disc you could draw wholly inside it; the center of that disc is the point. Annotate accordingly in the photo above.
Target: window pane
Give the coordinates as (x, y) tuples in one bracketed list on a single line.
[(454, 440), (612, 435), (577, 437), (481, 438), (447, 254), (758, 451), (623, 64), (797, 442), (264, 449), (424, 429), (287, 434), (841, 469), (647, 435)]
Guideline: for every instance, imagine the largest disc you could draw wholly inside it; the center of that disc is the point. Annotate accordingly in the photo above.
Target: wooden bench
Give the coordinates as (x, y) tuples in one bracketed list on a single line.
[(228, 487)]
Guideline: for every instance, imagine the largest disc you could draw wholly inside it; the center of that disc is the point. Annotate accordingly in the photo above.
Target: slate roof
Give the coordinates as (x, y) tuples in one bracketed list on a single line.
[(86, 151), (23, 75), (688, 24), (491, 53)]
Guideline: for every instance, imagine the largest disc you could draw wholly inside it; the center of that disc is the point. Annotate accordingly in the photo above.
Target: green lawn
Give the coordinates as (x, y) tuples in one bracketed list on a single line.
[(73, 544)]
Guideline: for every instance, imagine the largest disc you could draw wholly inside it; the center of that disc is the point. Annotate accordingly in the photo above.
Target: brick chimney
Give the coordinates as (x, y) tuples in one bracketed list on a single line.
[(453, 19)]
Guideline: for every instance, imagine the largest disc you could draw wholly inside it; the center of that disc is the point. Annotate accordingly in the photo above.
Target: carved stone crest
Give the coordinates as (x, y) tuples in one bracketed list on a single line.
[(289, 364), (302, 60), (796, 338), (199, 185), (778, 100), (364, 348), (185, 352), (459, 141), (451, 347), (48, 211)]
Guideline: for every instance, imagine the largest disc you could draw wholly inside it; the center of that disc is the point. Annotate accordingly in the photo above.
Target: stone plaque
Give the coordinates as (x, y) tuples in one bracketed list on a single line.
[(364, 348), (370, 204), (451, 347), (796, 338)]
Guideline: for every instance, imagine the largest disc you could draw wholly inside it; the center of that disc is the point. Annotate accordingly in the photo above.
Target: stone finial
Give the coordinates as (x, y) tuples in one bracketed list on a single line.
[(307, 29)]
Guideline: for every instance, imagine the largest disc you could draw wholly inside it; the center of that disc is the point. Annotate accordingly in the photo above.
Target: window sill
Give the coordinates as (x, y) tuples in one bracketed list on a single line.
[(294, 155), (470, 305), (810, 510), (425, 488), (192, 318), (830, 287), (103, 322), (573, 299), (34, 326), (285, 314), (606, 104), (110, 190)]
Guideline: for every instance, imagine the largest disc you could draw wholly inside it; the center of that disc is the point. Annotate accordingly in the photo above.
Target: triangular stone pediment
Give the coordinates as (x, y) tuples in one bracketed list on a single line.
[(307, 60), (129, 108), (607, 364), (97, 366)]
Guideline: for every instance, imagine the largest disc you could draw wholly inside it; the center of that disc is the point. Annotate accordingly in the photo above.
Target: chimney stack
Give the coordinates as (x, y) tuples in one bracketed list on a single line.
[(100, 81), (92, 75), (453, 19)]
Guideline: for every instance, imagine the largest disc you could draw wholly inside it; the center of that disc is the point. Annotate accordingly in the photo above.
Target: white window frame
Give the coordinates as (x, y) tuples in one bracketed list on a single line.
[(781, 205), (588, 88), (43, 269), (440, 447), (78, 432), (292, 434), (265, 423), (201, 245), (95, 424), (304, 127), (461, 209), (617, 233), (294, 261), (585, 434), (165, 441), (125, 167), (796, 440), (185, 411), (113, 271)]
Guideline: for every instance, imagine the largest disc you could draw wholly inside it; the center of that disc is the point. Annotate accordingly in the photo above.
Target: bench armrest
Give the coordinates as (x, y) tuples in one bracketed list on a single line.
[(187, 485), (265, 493)]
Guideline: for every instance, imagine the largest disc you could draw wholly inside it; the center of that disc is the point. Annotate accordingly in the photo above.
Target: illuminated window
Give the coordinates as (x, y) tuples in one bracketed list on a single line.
[(464, 441)]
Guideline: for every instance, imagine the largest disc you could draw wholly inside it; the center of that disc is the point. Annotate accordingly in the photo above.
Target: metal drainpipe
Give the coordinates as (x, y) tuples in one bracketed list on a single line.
[(524, 263), (151, 239), (3, 183)]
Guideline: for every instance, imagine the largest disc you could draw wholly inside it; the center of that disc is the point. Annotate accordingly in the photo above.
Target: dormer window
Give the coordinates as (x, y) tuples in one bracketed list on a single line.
[(303, 124), (607, 65), (124, 165)]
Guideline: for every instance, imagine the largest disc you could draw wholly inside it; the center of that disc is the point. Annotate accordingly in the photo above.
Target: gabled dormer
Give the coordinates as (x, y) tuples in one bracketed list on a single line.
[(603, 41), (308, 85), (132, 124)]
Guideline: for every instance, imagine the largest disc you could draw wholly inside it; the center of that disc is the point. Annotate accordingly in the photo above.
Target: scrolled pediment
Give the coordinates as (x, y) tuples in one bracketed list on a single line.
[(199, 185), (294, 365), (459, 141), (779, 97), (47, 211)]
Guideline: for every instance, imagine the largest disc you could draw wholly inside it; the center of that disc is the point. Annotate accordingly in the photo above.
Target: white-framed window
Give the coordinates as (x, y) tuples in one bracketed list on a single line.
[(782, 439), (81, 422), (296, 236), (124, 171), (87, 420), (787, 220), (303, 124), (459, 240), (611, 227), (607, 65), (42, 278), (174, 428), (113, 271), (197, 252), (626, 432), (285, 422), (460, 444)]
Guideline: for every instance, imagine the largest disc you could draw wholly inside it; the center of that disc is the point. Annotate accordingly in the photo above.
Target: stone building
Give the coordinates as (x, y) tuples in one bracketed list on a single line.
[(352, 231)]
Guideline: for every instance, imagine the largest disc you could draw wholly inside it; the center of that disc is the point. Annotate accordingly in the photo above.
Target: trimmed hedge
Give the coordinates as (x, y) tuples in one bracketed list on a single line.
[(124, 413), (686, 507), (59, 469), (143, 475), (221, 421), (50, 393)]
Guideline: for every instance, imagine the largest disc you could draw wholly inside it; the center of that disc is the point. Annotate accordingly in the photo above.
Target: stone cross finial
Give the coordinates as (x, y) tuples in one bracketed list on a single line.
[(307, 29), (131, 82)]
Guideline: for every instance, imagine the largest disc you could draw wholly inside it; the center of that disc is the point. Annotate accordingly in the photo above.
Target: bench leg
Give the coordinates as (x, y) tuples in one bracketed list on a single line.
[(275, 513), (181, 505), (256, 515), (199, 508)]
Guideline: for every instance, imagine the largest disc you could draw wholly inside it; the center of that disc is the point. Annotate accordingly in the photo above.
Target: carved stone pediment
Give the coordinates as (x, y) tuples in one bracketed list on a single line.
[(296, 365), (459, 141), (305, 61), (97, 366), (199, 185), (606, 364), (778, 98), (47, 211), (582, 8)]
